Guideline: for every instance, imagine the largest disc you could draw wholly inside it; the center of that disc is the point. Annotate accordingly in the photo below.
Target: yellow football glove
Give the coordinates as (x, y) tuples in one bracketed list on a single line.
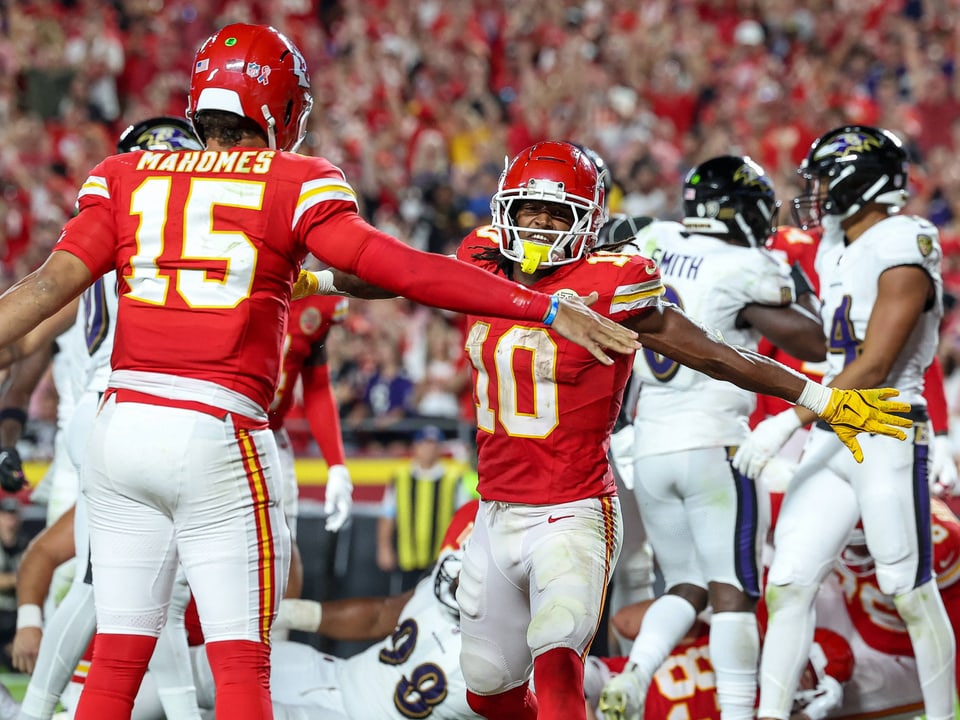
[(306, 284), (851, 412)]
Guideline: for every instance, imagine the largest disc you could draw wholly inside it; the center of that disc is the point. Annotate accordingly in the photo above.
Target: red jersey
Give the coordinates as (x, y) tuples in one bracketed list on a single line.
[(310, 320), (207, 245), (874, 615), (685, 686), (545, 406), (795, 246)]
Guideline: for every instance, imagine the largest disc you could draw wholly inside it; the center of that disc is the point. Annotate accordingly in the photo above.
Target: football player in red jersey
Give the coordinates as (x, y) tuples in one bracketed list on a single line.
[(874, 615), (305, 358), (548, 531), (181, 464), (684, 686)]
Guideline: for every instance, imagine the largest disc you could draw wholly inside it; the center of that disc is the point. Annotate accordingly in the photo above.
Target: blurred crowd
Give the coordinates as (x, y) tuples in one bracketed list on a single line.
[(419, 102)]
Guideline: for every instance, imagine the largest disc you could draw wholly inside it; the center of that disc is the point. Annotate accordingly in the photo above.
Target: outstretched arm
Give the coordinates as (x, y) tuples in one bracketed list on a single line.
[(671, 333), (352, 619), (41, 294)]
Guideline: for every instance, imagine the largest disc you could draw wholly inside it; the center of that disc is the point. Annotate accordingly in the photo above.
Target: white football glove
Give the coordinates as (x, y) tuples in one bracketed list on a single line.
[(943, 466), (339, 497), (765, 441)]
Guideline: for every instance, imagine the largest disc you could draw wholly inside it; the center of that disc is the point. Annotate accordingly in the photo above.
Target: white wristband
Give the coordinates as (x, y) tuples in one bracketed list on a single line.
[(815, 397), (295, 614), (325, 283), (29, 616)]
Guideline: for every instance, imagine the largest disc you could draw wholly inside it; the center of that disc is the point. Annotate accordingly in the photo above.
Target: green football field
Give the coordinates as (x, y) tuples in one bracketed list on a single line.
[(16, 684)]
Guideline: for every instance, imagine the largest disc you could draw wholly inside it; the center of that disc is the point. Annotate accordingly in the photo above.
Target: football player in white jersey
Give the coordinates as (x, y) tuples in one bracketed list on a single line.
[(705, 521), (881, 289)]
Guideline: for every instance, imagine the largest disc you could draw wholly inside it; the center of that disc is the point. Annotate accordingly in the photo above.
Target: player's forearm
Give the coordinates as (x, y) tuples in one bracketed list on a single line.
[(360, 619), (40, 295), (34, 576), (682, 340), (323, 414)]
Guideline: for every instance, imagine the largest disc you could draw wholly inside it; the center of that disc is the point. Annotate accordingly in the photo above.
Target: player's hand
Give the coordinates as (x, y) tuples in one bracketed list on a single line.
[(26, 647), (943, 466), (764, 442), (306, 284), (339, 497), (851, 412), (12, 478), (576, 322)]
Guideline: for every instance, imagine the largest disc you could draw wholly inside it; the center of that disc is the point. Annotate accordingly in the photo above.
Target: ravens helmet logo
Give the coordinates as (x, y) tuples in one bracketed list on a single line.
[(847, 144)]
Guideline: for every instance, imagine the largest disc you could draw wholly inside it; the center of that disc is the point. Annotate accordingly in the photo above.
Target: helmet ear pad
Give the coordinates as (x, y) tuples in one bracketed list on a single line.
[(256, 72)]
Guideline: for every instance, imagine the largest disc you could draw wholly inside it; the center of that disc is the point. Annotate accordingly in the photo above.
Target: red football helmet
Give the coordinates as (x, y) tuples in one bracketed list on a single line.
[(256, 72), (552, 172), (831, 665)]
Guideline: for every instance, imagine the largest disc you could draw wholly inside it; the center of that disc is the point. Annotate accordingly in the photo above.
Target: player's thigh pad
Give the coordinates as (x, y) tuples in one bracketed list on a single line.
[(659, 496), (493, 600), (727, 517), (894, 497), (232, 535), (571, 552), (818, 512)]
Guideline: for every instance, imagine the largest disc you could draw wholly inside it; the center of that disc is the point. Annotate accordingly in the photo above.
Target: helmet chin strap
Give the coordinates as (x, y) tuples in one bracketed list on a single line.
[(271, 127)]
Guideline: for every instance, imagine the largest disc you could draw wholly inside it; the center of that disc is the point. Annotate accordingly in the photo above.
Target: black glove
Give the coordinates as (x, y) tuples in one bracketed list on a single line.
[(12, 478)]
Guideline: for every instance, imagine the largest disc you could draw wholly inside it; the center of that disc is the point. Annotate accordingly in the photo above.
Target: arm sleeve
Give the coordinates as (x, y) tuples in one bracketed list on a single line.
[(426, 278), (322, 413), (935, 397), (91, 234)]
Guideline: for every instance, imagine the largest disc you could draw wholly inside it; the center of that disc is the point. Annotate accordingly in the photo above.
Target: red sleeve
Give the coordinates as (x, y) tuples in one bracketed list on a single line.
[(322, 413), (936, 398), (91, 235), (426, 278)]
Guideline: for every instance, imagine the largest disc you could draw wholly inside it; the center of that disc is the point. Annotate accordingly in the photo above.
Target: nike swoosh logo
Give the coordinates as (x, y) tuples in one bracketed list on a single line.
[(553, 519)]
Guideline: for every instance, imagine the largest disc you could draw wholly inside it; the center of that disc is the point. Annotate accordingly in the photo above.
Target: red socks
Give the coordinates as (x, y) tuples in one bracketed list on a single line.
[(517, 704), (241, 671), (116, 671), (558, 677)]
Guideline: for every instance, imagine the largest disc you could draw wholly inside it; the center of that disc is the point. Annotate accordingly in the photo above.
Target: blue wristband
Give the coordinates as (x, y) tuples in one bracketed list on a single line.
[(552, 312)]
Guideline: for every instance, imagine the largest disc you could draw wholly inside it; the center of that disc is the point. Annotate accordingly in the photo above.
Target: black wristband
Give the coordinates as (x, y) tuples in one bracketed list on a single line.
[(14, 413)]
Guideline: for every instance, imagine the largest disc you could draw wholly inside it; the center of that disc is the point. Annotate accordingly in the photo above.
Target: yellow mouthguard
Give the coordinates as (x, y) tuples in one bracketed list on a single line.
[(533, 254)]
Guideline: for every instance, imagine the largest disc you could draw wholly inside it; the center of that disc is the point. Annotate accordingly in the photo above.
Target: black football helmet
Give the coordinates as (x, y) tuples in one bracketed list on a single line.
[(446, 578), (848, 168), (159, 133), (730, 195)]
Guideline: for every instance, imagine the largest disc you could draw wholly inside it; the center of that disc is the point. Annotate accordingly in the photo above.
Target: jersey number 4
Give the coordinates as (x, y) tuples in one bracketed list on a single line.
[(201, 242)]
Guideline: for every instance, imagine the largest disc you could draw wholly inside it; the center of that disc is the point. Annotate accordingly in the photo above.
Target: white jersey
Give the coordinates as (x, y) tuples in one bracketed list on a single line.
[(848, 287), (98, 316), (413, 673), (712, 281)]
